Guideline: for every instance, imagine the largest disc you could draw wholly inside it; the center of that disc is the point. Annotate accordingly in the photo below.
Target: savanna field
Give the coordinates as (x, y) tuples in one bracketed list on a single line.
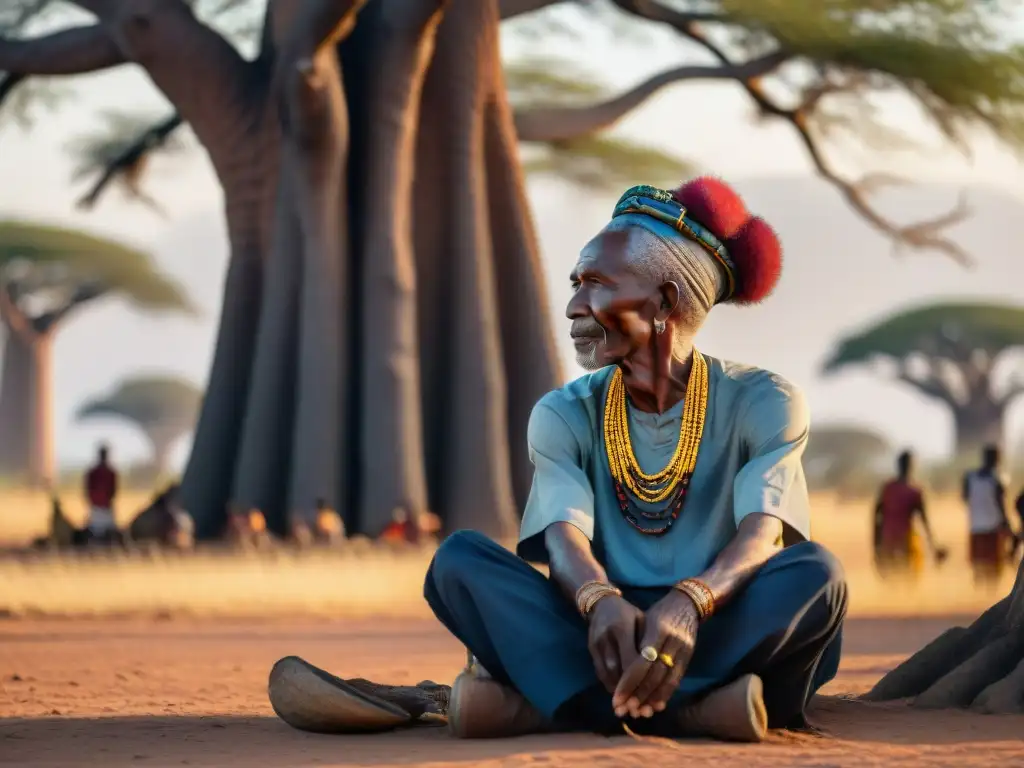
[(151, 659), (368, 580)]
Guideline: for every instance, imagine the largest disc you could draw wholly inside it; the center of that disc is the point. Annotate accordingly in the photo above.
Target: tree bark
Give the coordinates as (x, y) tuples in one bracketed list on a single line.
[(379, 350), (16, 377), (980, 667), (977, 423), (397, 37), (26, 409)]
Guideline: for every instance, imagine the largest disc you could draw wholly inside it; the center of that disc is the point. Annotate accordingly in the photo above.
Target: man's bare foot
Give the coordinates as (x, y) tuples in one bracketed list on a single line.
[(735, 712), (482, 708)]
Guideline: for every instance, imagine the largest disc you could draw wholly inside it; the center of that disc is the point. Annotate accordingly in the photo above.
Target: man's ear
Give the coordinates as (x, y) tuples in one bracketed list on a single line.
[(670, 294)]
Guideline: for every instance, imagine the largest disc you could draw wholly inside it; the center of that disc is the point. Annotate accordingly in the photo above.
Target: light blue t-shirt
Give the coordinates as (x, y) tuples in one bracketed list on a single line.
[(755, 431)]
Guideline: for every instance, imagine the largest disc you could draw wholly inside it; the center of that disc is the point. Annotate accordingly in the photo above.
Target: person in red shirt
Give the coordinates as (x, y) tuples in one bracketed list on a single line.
[(897, 543), (100, 492)]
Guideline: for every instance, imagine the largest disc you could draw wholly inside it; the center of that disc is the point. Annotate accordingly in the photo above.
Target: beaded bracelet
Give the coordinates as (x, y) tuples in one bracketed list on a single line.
[(588, 595), (701, 595)]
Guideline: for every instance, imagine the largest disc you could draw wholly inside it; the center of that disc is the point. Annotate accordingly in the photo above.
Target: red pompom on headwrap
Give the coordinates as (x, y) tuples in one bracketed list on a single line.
[(752, 244)]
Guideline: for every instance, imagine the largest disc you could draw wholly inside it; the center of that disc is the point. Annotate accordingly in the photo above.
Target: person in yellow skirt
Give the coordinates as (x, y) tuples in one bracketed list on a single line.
[(900, 549)]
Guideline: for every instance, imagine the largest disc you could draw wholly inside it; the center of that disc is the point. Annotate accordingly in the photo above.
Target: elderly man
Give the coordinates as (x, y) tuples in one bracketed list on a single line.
[(669, 502)]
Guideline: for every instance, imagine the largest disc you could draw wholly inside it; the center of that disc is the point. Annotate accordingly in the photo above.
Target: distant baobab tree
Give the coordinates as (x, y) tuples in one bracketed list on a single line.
[(48, 274)]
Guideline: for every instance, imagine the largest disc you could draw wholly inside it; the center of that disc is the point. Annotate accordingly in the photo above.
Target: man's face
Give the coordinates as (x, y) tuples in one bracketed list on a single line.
[(612, 306)]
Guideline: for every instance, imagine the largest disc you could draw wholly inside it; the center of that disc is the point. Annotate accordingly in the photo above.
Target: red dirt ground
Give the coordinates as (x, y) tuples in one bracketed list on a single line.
[(193, 693)]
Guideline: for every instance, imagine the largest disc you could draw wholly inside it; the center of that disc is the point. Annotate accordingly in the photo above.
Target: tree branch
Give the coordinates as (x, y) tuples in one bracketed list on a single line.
[(68, 52), (213, 88), (509, 9), (930, 385), (655, 11), (552, 124), (923, 235), (322, 23), (84, 293), (8, 83), (11, 315), (131, 156), (1014, 389)]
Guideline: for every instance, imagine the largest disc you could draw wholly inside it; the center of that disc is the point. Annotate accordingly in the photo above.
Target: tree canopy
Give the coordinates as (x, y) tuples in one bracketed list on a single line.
[(952, 330), (948, 352), (47, 271), (163, 407), (165, 402), (844, 456), (829, 68)]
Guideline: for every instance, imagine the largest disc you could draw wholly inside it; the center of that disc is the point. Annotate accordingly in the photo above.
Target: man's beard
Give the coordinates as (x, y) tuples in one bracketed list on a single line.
[(588, 356)]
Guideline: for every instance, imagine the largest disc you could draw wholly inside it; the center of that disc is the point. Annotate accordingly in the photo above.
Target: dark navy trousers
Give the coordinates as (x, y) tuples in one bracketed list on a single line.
[(785, 626)]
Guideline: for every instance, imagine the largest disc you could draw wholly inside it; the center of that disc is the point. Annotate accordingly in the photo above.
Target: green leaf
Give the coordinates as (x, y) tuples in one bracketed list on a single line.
[(81, 259), (549, 81), (165, 403), (952, 56), (605, 162), (987, 327)]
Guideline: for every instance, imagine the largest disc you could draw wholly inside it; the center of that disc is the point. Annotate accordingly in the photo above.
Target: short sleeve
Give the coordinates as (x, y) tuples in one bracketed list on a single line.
[(561, 491), (775, 426)]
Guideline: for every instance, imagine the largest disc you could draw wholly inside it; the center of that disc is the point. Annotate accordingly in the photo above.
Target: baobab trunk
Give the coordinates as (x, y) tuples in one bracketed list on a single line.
[(978, 423), (980, 666), (26, 412), (384, 330)]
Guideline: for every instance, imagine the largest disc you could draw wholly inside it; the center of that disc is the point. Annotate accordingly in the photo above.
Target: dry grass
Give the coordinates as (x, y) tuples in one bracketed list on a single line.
[(367, 580)]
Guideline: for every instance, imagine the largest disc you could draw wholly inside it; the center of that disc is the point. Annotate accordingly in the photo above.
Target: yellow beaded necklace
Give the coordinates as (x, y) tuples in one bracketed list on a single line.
[(625, 469)]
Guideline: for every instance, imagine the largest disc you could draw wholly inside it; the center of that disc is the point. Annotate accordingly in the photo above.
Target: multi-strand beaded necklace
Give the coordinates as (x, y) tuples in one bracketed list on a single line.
[(670, 484)]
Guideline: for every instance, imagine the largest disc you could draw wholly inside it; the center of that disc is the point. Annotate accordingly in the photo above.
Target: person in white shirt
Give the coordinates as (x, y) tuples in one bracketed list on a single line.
[(984, 492)]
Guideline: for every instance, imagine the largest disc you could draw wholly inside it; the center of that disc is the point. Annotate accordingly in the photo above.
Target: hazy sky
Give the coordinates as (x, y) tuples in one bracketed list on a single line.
[(839, 274)]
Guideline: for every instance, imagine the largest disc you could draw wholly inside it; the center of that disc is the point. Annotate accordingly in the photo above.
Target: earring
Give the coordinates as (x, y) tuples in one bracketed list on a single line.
[(659, 327)]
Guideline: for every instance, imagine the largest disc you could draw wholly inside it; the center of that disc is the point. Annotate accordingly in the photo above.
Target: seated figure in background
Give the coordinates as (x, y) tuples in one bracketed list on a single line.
[(328, 527), (246, 529), (897, 544), (164, 522), (403, 528)]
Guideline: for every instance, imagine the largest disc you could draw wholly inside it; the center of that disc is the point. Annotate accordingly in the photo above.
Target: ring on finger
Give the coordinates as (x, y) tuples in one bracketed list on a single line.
[(649, 653), (667, 660)]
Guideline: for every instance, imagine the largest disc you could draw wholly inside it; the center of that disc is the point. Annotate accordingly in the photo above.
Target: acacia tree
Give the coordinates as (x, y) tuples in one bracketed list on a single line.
[(365, 354), (47, 274), (951, 353), (163, 408), (844, 457)]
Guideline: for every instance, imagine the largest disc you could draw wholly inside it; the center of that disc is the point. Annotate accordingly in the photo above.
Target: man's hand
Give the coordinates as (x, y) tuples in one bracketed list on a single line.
[(671, 629), (615, 625)]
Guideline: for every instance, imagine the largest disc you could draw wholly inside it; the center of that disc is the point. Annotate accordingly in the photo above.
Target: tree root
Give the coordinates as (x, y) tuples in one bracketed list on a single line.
[(961, 686), (1005, 696), (940, 657), (917, 673)]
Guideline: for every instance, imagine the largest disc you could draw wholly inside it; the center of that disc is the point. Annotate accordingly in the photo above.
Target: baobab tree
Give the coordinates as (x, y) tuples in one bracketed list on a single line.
[(952, 353), (163, 407), (375, 204), (47, 275)]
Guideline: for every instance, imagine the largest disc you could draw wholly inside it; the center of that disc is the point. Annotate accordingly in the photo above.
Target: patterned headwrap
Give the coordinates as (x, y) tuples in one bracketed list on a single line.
[(709, 213)]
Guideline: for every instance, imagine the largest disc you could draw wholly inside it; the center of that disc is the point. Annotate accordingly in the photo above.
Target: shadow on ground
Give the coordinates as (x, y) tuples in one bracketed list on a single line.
[(205, 742)]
